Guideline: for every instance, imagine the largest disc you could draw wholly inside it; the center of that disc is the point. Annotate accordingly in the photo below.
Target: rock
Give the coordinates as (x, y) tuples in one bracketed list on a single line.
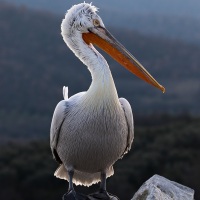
[(160, 188)]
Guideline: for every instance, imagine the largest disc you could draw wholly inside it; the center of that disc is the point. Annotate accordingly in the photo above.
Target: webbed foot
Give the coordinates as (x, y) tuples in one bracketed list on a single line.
[(102, 195), (72, 195)]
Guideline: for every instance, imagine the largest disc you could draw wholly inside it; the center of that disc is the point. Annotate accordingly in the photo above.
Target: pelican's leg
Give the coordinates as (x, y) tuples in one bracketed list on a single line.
[(71, 187), (71, 194), (102, 193), (103, 183)]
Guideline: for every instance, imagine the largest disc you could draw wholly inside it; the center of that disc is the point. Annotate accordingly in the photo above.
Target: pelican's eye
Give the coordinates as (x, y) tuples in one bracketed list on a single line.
[(96, 22)]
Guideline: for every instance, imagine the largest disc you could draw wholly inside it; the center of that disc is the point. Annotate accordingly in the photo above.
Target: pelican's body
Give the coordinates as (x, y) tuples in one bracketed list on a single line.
[(91, 130), (97, 135)]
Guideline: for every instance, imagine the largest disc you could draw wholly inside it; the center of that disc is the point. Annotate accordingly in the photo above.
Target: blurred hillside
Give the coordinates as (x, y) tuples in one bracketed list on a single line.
[(172, 151), (166, 7), (35, 64)]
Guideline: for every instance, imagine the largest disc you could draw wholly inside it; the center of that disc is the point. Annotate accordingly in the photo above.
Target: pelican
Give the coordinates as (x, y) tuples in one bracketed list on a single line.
[(91, 130)]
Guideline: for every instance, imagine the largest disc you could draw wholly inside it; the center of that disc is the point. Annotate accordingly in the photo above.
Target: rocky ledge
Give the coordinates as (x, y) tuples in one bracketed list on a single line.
[(160, 188)]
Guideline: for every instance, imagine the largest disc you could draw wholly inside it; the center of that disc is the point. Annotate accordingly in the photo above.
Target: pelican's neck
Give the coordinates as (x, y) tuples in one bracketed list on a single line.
[(99, 69), (102, 81)]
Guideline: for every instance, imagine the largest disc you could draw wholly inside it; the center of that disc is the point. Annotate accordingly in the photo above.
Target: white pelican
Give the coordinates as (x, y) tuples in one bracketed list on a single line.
[(91, 130)]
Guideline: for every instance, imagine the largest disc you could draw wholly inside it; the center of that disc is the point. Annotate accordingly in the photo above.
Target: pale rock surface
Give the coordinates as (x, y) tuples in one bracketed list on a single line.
[(160, 188)]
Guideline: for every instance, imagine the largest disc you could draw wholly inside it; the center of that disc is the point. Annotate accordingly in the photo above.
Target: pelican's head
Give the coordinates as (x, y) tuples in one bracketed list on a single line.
[(82, 26), (79, 18)]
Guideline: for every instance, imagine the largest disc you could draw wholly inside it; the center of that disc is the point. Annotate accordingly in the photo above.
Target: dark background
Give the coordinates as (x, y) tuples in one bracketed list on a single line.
[(35, 64)]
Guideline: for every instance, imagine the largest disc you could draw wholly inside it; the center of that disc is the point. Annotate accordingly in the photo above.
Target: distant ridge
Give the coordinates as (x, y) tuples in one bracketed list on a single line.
[(167, 18)]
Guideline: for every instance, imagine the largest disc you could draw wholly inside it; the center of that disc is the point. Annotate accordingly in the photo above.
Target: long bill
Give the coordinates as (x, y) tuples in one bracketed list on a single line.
[(103, 39)]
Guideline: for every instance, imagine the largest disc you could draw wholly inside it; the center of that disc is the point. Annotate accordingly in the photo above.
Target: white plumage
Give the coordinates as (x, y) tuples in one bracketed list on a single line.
[(91, 130)]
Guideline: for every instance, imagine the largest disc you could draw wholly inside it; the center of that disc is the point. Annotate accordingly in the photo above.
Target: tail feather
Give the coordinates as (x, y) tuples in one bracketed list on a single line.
[(82, 178), (65, 93)]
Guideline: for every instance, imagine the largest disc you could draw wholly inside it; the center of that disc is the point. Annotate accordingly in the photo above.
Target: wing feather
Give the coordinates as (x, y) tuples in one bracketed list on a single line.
[(129, 119), (61, 112), (59, 116)]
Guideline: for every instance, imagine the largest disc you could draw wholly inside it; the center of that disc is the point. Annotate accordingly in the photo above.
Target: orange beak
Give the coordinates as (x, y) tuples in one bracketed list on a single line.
[(102, 38)]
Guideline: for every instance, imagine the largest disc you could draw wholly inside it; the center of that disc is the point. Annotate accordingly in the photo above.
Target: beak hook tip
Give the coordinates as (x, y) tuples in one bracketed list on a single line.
[(162, 88)]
